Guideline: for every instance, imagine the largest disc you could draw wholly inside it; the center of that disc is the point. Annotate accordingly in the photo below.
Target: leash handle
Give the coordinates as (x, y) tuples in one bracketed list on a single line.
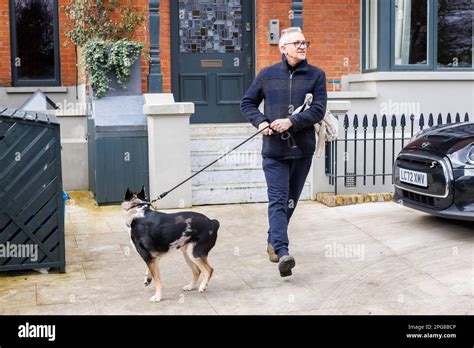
[(164, 194)]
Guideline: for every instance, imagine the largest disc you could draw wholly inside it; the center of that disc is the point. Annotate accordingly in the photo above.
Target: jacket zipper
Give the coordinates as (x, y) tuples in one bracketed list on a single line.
[(291, 80)]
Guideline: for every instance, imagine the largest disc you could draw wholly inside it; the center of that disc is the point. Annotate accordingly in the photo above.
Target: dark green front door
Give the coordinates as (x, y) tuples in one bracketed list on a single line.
[(212, 61)]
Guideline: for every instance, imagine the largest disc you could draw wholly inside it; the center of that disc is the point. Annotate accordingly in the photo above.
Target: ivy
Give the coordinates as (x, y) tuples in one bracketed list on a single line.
[(103, 57), (105, 30)]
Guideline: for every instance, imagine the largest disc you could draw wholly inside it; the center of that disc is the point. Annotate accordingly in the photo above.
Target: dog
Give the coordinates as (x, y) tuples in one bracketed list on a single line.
[(153, 234)]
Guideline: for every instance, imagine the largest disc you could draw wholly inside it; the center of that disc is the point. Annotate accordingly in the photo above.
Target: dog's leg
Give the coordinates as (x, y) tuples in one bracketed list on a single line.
[(147, 280), (194, 268), (207, 269), (155, 273)]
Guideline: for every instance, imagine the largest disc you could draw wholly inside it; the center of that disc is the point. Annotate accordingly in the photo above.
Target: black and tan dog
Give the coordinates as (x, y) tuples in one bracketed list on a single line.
[(154, 233)]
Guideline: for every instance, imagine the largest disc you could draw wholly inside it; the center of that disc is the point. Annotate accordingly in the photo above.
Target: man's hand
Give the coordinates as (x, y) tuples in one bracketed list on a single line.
[(267, 131), (281, 125)]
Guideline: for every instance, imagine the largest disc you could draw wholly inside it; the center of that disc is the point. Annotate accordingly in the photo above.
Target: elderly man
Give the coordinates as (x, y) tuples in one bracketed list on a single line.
[(289, 142)]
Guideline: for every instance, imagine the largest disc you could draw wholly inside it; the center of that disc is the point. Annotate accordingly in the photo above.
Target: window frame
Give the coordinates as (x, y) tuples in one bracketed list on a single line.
[(429, 43), (13, 51), (386, 48), (365, 45)]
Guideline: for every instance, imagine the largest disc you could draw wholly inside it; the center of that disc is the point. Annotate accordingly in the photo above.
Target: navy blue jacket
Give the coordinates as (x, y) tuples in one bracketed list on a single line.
[(284, 90)]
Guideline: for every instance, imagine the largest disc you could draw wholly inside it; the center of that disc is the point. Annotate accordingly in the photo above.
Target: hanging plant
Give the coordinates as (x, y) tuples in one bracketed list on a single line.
[(101, 20), (104, 57), (105, 30)]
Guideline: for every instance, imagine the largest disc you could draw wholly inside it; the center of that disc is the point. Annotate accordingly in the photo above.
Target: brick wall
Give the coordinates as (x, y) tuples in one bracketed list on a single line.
[(267, 54), (333, 27), (5, 60), (67, 54), (165, 45), (143, 36)]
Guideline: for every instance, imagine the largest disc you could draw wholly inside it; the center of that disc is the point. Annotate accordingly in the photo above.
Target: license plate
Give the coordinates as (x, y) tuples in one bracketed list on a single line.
[(414, 178)]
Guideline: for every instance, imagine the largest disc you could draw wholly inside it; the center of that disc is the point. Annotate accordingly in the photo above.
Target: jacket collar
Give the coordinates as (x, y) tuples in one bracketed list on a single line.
[(301, 67)]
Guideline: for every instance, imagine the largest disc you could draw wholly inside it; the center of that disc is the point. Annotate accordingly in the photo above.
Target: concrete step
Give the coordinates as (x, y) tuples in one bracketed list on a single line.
[(236, 158), (229, 175), (223, 129), (235, 193), (236, 178), (221, 144)]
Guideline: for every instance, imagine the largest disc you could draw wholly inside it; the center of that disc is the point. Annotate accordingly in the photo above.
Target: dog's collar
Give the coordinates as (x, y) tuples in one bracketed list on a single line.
[(138, 205)]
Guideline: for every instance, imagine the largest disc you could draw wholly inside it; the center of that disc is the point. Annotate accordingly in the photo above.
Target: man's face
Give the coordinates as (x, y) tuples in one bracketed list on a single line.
[(291, 50)]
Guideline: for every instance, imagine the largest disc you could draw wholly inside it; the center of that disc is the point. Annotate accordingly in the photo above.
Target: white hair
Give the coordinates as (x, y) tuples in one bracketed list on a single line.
[(285, 33)]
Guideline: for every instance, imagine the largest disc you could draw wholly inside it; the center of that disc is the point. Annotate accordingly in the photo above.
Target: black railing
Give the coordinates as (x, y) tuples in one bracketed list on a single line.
[(371, 138)]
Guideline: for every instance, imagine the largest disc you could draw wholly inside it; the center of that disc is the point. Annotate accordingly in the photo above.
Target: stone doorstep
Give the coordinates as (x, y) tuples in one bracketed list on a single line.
[(331, 200)]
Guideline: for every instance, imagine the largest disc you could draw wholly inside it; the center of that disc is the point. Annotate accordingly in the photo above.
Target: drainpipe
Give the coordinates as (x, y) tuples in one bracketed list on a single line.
[(155, 78), (297, 14)]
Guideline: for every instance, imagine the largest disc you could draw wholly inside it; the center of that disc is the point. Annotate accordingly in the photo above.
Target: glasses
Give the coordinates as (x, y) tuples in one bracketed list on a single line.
[(299, 44)]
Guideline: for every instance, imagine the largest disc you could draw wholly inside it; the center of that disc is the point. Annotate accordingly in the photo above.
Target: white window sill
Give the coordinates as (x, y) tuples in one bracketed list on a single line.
[(19, 90), (352, 95), (410, 76)]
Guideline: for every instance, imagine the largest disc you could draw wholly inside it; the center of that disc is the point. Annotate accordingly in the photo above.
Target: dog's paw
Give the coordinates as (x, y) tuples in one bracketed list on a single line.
[(188, 287), (155, 298), (202, 288), (146, 281)]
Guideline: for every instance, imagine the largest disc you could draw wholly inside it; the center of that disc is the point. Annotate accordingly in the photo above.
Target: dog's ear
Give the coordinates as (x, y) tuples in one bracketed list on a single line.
[(128, 194), (142, 194)]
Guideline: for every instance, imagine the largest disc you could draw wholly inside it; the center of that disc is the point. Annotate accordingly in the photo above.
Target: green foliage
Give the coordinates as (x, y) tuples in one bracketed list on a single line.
[(101, 20), (105, 29), (103, 57)]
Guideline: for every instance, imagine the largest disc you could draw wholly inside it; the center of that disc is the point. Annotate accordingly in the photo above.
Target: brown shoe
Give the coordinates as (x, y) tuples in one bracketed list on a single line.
[(287, 262), (272, 256)]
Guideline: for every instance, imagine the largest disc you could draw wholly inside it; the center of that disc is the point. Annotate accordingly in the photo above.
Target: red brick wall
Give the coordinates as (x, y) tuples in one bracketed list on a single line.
[(165, 45), (67, 54), (143, 36), (333, 27), (5, 59), (267, 54)]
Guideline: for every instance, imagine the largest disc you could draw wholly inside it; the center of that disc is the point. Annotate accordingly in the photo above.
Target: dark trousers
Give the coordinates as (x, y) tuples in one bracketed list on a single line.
[(285, 181)]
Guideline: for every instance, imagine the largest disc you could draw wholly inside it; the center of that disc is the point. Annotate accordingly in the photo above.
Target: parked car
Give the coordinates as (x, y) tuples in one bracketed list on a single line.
[(434, 173)]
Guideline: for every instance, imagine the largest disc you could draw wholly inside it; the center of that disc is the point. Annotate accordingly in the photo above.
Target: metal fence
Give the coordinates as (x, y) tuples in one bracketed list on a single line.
[(369, 152)]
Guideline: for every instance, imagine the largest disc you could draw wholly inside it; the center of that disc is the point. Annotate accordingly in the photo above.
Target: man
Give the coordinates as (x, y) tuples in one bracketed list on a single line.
[(289, 143)]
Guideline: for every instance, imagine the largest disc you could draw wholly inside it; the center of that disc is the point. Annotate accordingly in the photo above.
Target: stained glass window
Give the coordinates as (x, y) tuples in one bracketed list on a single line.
[(210, 26)]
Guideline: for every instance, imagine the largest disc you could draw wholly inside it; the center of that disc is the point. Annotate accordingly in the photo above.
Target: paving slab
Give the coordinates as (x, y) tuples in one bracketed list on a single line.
[(373, 258)]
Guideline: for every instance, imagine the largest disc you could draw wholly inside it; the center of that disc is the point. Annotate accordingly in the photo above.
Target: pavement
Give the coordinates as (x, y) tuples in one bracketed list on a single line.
[(371, 258)]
